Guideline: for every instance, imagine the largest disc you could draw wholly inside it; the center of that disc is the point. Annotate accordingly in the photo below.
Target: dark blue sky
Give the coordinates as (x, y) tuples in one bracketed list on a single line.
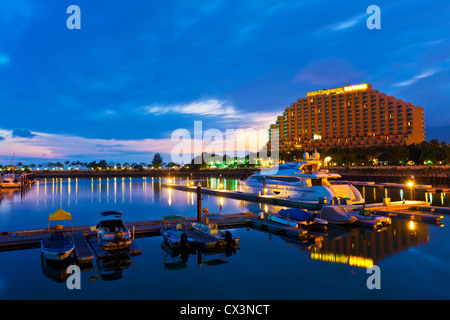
[(137, 70)]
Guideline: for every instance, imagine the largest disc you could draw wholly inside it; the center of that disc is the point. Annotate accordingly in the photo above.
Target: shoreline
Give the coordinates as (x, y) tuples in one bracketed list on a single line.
[(241, 173), (435, 177)]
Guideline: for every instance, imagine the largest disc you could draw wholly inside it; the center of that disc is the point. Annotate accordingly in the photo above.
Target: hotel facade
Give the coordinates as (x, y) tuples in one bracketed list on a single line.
[(351, 116)]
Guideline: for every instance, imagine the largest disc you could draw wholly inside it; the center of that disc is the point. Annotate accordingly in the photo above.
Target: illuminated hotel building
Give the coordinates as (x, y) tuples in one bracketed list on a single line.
[(351, 116)]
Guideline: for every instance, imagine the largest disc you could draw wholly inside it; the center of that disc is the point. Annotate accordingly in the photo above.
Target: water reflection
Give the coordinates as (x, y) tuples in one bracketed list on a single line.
[(363, 248), (64, 192), (111, 268), (56, 270), (351, 246), (399, 194), (215, 258), (175, 259)]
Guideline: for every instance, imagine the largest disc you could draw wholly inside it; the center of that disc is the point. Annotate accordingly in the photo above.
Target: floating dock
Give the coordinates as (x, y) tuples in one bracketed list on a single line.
[(281, 229), (413, 215), (83, 251), (133, 250), (87, 247), (293, 203), (419, 187), (86, 244)]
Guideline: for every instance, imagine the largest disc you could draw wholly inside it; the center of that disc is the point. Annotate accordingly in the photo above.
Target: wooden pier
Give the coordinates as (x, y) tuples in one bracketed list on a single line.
[(83, 251), (415, 216), (86, 244), (381, 185), (87, 247), (281, 229), (292, 203)]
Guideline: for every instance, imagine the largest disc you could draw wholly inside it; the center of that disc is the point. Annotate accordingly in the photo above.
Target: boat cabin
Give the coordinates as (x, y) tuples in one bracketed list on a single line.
[(299, 181)]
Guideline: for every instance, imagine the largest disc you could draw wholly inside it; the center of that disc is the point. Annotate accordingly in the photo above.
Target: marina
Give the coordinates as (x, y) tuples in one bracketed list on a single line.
[(228, 157), (87, 241), (241, 213)]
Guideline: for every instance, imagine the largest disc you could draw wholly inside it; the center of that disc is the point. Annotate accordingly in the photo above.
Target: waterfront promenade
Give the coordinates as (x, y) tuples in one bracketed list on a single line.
[(436, 176)]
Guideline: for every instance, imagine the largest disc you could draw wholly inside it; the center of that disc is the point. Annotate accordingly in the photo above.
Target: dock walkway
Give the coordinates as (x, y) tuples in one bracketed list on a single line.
[(87, 247), (83, 251), (420, 187), (293, 203)]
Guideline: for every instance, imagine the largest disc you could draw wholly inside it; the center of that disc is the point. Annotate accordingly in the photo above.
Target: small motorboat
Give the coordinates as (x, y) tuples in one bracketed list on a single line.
[(58, 247), (112, 232), (223, 237), (336, 215), (175, 236), (11, 182), (367, 216), (302, 217), (212, 216)]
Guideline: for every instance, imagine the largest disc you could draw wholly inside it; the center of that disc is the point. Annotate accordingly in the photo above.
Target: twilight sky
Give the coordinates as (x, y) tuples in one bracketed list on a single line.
[(137, 70)]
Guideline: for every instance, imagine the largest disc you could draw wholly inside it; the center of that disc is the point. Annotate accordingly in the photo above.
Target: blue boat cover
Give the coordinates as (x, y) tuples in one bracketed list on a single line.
[(295, 214)]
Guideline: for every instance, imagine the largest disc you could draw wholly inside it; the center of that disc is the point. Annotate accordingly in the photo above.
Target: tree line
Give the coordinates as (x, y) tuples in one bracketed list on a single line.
[(156, 163), (428, 152)]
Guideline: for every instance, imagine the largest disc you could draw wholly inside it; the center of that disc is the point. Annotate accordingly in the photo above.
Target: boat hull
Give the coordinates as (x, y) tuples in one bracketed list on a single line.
[(112, 232), (336, 215), (385, 221), (114, 244), (223, 237), (10, 185), (56, 254), (304, 193), (174, 238)]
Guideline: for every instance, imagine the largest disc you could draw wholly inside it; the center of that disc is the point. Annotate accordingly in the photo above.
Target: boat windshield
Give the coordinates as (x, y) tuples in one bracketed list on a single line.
[(319, 182), (112, 225), (275, 178), (282, 179)]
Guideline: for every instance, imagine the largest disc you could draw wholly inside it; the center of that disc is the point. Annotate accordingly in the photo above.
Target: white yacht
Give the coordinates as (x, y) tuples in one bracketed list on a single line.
[(10, 182), (303, 181)]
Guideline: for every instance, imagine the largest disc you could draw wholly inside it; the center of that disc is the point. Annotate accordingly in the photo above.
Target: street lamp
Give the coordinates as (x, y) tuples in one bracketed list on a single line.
[(411, 187)]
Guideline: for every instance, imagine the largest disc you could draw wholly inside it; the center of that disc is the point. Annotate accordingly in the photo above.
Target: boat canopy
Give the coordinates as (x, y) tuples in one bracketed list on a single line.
[(59, 214), (295, 214), (115, 214), (174, 217)]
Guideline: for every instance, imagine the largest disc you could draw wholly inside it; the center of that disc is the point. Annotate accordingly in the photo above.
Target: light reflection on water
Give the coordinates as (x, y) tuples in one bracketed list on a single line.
[(331, 264)]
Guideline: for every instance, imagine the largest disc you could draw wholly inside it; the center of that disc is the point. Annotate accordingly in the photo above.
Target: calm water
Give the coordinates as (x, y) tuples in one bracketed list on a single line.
[(414, 258)]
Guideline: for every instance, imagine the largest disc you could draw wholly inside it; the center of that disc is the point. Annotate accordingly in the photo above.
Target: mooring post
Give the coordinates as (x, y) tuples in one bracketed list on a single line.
[(264, 185), (412, 190), (199, 202)]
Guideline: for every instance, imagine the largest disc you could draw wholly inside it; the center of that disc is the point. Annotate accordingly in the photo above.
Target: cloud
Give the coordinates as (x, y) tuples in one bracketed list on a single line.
[(222, 110), (45, 146), (22, 133), (424, 74), (211, 107), (248, 129), (346, 24), (349, 23), (60, 146)]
